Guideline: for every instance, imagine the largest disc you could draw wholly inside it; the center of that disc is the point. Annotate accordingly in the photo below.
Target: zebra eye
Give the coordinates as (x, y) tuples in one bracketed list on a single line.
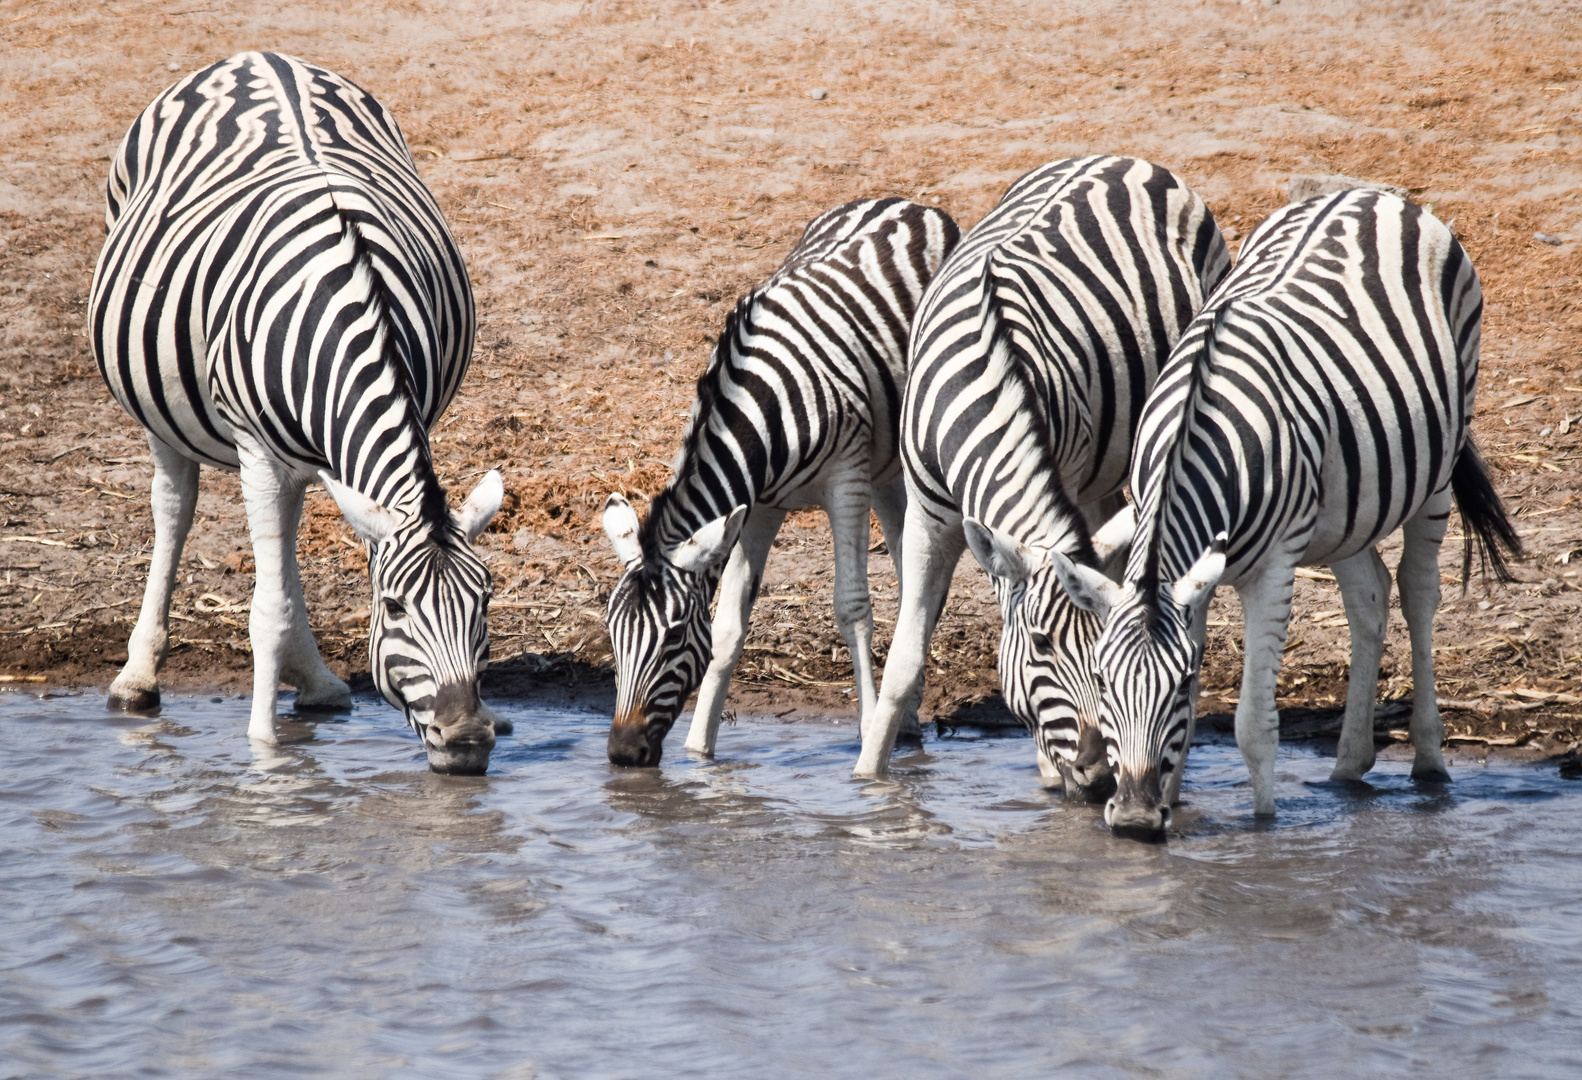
[(394, 608), (1042, 642)]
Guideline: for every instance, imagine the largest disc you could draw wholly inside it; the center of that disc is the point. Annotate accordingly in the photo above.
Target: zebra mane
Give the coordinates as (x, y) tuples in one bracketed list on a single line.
[(1147, 586), (669, 501), (999, 335), (432, 506)]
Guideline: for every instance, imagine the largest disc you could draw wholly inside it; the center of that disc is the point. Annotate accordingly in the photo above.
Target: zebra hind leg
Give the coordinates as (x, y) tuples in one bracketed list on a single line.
[(173, 497), (1418, 576), (301, 664), (848, 504), (1365, 590), (889, 506), (738, 592)]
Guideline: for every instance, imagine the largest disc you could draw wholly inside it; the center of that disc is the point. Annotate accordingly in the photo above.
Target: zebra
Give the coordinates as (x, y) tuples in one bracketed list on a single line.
[(279, 295), (796, 408), (1319, 401), (1031, 357)]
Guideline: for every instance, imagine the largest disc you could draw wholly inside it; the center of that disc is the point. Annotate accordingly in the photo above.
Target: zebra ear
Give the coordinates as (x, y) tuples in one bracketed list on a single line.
[(1000, 553), (620, 525), (1088, 588), (372, 523), (481, 506), (1196, 587), (1114, 539), (709, 546)]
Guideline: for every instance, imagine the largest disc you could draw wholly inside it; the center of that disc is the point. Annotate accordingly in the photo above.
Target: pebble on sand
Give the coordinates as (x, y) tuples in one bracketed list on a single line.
[(1548, 238), (818, 93)]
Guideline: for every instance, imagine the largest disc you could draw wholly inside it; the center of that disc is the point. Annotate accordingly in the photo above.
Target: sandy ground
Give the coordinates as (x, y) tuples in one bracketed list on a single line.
[(618, 173)]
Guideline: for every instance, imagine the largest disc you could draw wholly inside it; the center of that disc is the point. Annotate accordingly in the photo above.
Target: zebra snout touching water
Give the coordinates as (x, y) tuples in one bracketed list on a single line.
[(1032, 354), (798, 407), (279, 295), (1321, 400)]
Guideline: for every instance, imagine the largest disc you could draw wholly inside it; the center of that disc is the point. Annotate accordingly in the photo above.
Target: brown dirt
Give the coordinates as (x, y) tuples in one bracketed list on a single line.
[(618, 173)]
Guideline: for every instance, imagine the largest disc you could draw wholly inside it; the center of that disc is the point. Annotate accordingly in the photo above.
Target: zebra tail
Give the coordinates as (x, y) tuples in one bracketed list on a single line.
[(1483, 518)]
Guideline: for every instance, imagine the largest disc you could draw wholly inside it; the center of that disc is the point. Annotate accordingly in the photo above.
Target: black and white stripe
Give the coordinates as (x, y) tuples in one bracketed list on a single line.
[(798, 407), (279, 294), (1320, 401), (1032, 355)]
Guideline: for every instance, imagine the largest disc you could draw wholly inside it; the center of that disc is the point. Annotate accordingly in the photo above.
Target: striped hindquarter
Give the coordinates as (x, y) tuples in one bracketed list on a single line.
[(1033, 353), (279, 294), (1320, 401), (798, 407)]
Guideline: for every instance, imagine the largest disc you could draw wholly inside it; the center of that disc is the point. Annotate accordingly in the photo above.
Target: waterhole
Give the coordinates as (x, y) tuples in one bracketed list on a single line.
[(179, 903)]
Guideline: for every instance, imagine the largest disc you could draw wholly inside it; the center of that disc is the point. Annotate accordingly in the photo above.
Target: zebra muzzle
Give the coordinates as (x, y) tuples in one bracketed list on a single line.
[(1137, 811), (461, 736), (1088, 778), (634, 742)]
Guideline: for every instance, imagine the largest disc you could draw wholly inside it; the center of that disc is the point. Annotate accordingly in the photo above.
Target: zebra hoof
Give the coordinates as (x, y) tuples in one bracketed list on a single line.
[(502, 726), (133, 699), (1430, 776)]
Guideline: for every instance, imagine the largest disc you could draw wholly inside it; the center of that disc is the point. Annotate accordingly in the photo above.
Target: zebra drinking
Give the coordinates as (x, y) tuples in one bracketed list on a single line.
[(797, 408), (279, 294), (1031, 357), (1320, 401)]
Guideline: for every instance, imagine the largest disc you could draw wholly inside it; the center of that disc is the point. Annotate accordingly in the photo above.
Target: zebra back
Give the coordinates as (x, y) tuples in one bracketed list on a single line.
[(804, 379)]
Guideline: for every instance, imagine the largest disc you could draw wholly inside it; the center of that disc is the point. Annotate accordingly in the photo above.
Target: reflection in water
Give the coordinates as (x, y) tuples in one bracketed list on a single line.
[(183, 903)]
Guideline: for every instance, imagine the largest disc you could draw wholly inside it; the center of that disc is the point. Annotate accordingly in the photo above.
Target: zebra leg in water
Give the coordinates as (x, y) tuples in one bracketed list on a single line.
[(277, 626), (173, 497), (744, 573), (848, 501), (889, 506), (1365, 592), (1266, 617), (933, 549), (1417, 574)]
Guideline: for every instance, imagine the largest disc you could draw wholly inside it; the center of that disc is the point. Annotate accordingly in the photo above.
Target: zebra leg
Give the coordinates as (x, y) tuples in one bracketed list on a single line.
[(738, 592), (889, 506), (1418, 577), (300, 664), (271, 495), (847, 504), (1365, 590), (172, 497), (932, 550), (1266, 616)]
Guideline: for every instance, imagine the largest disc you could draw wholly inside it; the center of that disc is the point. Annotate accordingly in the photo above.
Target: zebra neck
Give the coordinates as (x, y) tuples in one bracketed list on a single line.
[(402, 477), (701, 491)]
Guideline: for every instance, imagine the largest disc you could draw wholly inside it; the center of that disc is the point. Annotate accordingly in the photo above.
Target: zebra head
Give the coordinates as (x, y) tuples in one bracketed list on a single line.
[(659, 626), (1046, 651), (1148, 658), (428, 633)]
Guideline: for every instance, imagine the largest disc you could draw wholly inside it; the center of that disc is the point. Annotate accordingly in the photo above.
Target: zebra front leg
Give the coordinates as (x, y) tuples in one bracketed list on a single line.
[(172, 497), (1418, 576), (1266, 615), (1365, 590), (270, 493), (301, 664), (932, 550), (738, 592), (889, 506)]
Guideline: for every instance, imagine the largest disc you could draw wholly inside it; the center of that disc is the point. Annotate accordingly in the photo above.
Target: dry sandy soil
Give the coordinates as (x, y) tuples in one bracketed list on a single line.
[(619, 172)]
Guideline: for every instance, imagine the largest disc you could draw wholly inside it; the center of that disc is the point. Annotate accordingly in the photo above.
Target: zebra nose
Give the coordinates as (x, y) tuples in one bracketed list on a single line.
[(629, 746), (1135, 819), (461, 748)]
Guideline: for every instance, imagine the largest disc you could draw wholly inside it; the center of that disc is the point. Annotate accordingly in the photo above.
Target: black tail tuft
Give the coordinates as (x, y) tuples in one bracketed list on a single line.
[(1482, 518)]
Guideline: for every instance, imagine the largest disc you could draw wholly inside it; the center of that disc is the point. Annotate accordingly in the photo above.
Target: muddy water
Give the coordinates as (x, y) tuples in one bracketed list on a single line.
[(179, 905)]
